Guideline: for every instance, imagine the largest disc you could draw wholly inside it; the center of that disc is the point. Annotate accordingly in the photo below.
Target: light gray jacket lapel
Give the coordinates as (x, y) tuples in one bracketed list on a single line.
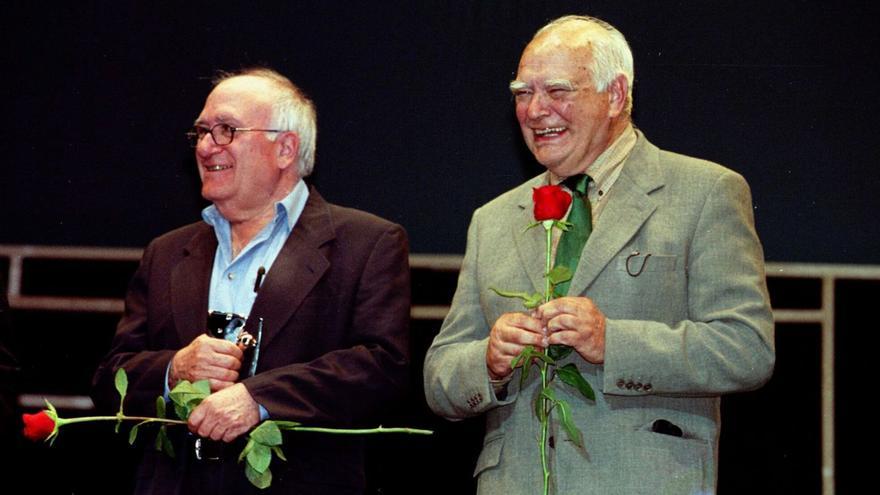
[(629, 207), (532, 243)]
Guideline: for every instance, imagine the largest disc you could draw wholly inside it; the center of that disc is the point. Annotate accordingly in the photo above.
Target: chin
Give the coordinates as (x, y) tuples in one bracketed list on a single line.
[(211, 194)]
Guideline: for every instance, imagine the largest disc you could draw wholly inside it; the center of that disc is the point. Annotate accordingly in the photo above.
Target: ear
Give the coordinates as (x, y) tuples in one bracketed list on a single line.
[(288, 149), (617, 92)]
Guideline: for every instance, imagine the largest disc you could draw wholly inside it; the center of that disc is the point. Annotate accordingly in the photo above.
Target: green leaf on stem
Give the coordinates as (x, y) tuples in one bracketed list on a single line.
[(529, 300), (259, 457), (246, 450), (525, 358), (160, 407), (571, 430), (546, 398), (163, 443), (540, 410), (563, 225), (181, 412), (132, 435), (202, 387), (158, 443), (559, 274), (571, 375), (558, 352), (519, 360), (186, 396), (121, 382), (267, 434), (532, 353), (258, 479), (279, 453), (531, 226)]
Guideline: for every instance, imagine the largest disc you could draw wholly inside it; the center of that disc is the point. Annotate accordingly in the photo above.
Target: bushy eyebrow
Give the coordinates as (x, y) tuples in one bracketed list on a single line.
[(517, 86), (559, 83), (222, 118)]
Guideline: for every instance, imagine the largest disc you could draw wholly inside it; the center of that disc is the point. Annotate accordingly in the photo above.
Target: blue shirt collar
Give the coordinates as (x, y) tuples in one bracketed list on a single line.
[(289, 208), (287, 213)]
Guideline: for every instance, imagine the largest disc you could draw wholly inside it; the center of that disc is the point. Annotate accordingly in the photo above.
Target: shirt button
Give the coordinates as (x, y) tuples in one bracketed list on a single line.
[(230, 276)]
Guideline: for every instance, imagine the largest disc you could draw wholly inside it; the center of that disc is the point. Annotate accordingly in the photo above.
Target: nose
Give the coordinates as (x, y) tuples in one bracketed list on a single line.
[(537, 106), (206, 146)]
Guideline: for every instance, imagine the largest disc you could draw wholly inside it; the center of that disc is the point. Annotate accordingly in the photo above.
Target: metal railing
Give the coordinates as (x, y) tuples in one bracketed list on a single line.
[(18, 254)]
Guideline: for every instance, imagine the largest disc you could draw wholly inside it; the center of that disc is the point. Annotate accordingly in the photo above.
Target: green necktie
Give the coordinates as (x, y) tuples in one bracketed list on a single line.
[(568, 252)]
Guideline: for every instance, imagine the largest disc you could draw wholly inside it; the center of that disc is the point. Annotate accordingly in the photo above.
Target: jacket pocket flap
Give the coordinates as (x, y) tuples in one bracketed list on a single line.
[(491, 454)]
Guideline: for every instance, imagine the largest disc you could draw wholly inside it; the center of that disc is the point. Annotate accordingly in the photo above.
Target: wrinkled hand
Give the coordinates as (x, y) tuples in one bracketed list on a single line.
[(509, 336), (207, 358), (575, 322), (225, 415)]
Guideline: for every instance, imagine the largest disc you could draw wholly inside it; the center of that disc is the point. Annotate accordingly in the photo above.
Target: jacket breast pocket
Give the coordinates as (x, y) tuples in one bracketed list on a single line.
[(649, 286), (637, 263)]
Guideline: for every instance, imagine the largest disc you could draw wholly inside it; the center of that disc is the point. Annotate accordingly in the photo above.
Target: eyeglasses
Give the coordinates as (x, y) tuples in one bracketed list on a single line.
[(222, 134)]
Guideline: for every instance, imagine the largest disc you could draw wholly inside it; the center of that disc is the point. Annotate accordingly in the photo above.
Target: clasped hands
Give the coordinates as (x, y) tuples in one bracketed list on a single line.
[(571, 321), (230, 410)]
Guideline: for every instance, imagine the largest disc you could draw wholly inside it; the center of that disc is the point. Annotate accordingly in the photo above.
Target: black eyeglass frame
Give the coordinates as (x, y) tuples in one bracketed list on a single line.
[(195, 136)]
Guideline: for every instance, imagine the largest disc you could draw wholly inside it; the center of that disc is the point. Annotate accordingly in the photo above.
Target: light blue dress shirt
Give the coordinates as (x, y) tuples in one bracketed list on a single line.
[(233, 280)]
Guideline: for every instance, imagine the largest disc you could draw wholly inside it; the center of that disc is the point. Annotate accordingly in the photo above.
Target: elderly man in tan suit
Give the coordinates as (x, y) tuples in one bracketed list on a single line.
[(667, 309)]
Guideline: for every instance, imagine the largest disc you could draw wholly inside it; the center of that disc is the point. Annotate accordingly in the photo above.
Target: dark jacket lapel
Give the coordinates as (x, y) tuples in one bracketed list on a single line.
[(190, 282), (296, 270)]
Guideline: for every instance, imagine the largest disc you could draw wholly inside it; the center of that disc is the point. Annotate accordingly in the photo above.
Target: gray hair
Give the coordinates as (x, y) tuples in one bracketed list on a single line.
[(292, 110), (611, 53)]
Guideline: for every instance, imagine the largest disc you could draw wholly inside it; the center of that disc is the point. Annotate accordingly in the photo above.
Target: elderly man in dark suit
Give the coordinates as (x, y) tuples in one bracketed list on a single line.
[(667, 308), (326, 287)]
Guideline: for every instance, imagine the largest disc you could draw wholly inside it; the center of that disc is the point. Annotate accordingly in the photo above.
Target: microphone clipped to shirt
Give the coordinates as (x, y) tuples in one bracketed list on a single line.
[(260, 274)]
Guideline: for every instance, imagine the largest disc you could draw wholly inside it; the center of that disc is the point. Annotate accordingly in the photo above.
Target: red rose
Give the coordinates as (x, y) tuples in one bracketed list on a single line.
[(38, 426), (551, 202)]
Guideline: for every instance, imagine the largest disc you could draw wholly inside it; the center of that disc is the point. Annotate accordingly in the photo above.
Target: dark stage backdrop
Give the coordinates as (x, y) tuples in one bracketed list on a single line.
[(415, 121), (416, 125)]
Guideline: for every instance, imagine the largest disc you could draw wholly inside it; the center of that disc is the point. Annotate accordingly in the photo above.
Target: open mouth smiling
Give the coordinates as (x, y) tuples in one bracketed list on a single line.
[(549, 131)]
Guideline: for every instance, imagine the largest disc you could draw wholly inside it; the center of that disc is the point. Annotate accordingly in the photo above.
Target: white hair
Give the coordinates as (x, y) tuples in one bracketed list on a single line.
[(611, 54), (292, 110)]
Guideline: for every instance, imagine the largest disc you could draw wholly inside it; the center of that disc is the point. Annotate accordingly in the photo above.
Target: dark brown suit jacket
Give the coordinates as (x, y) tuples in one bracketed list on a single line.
[(334, 352)]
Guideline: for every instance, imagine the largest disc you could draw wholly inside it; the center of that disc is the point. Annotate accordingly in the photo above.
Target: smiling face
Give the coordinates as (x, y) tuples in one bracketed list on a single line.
[(251, 173), (564, 121)]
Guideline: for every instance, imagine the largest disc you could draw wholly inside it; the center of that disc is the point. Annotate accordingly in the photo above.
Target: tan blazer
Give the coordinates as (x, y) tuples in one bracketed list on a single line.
[(694, 324)]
